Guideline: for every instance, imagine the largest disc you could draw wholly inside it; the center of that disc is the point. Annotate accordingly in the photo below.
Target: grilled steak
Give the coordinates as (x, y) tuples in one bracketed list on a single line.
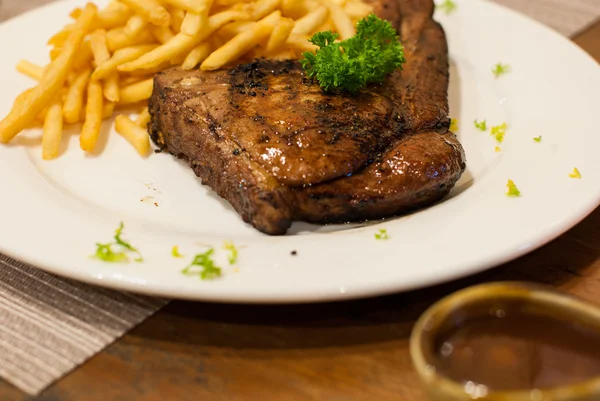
[(279, 149)]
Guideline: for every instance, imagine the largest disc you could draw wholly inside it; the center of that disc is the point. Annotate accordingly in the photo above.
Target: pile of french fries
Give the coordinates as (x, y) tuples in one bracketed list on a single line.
[(105, 60)]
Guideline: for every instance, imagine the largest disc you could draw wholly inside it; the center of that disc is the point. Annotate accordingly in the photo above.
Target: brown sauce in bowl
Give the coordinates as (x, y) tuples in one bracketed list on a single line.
[(516, 351)]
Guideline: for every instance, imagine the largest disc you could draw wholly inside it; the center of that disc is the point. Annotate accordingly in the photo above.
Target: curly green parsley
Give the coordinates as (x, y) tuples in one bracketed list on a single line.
[(233, 252), (108, 253), (512, 189), (499, 131), (500, 69), (382, 235), (575, 174), (448, 6), (350, 65), (538, 139), (204, 266), (482, 126)]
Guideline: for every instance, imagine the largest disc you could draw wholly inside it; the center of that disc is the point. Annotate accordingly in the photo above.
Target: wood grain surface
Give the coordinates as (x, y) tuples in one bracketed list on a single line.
[(329, 352)]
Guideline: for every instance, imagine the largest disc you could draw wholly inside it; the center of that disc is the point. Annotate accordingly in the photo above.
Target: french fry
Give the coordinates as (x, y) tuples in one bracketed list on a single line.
[(151, 10), (120, 57), (83, 57), (117, 39), (99, 48), (280, 34), (134, 134), (31, 70), (93, 117), (61, 36), (242, 43), (191, 6), (137, 92), (111, 87), (196, 56), (262, 8), (162, 34), (143, 119), (112, 18), (293, 9), (108, 109), (233, 29), (301, 43), (135, 25), (177, 16), (311, 21), (25, 112), (181, 43), (358, 9), (341, 21), (73, 104), (194, 23), (52, 134)]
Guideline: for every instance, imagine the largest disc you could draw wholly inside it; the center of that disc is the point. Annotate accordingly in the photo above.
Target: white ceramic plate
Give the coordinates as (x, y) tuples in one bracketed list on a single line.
[(52, 213)]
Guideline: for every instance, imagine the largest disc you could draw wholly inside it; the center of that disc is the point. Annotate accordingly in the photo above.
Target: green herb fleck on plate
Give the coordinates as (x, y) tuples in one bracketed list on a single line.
[(350, 65), (499, 131), (233, 252), (538, 139), (482, 126), (512, 189), (175, 252), (382, 235), (448, 6), (204, 266), (453, 125), (500, 69), (575, 174), (117, 251)]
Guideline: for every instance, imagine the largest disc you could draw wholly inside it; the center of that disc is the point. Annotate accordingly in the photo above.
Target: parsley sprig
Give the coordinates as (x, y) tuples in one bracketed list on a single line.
[(382, 235), (204, 266), (233, 252), (117, 251), (350, 65), (500, 69), (448, 6)]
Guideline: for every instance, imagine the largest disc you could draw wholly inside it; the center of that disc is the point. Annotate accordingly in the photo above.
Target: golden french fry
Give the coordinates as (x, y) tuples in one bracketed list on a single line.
[(194, 23), (177, 16), (311, 21), (162, 33), (73, 104), (234, 28), (151, 10), (293, 9), (262, 8), (181, 43), (120, 57), (111, 87), (301, 43), (143, 119), (117, 39), (134, 134), (108, 109), (52, 134), (191, 6), (31, 70), (135, 25), (61, 36), (93, 117), (358, 9), (137, 92), (84, 56), (196, 56), (99, 48), (280, 34), (112, 18), (132, 79), (342, 22), (242, 43), (25, 112)]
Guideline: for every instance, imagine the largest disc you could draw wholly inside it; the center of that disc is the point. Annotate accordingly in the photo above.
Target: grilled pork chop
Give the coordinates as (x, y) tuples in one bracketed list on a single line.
[(279, 149)]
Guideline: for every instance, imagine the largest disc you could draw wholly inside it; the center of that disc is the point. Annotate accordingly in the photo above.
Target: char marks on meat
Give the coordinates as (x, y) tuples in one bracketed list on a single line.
[(279, 149)]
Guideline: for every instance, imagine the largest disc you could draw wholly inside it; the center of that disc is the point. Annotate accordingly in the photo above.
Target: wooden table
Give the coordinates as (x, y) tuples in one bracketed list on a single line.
[(330, 352)]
